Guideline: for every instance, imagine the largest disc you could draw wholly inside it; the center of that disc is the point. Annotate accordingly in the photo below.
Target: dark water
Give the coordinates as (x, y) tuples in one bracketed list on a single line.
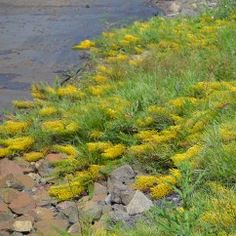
[(36, 38)]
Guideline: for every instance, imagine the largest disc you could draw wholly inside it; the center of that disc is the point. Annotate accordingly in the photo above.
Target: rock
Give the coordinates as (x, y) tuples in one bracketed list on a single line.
[(5, 213), (25, 165), (22, 226), (42, 198), (175, 7), (44, 168), (5, 225), (75, 229), (118, 185), (7, 195), (100, 192), (50, 227), (36, 177), (22, 204), (54, 158), (139, 204), (69, 209), (42, 213), (108, 199), (17, 234), (124, 174), (19, 182), (9, 167), (4, 233), (91, 210), (119, 215)]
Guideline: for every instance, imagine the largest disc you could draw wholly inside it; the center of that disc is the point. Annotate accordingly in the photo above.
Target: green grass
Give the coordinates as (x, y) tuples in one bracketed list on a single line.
[(160, 95)]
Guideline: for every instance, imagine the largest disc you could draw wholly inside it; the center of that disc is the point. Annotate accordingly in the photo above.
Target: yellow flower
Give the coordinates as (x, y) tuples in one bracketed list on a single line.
[(4, 152), (23, 104), (33, 156), (36, 92), (69, 91), (143, 183), (191, 152), (70, 150), (47, 111), (160, 191), (99, 89), (181, 101), (94, 171), (114, 151), (13, 127), (99, 146), (141, 149), (86, 44), (129, 38), (146, 135), (18, 144)]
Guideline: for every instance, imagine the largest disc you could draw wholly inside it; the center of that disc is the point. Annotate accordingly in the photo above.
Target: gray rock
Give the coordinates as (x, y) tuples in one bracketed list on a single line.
[(5, 213), (124, 174), (22, 226), (4, 233), (108, 199), (139, 204), (91, 210)]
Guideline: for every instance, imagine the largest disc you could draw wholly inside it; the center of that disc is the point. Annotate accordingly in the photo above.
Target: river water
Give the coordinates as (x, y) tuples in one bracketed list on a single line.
[(36, 37)]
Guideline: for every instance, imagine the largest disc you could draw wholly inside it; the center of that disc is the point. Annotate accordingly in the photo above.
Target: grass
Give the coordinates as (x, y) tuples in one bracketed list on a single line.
[(159, 95)]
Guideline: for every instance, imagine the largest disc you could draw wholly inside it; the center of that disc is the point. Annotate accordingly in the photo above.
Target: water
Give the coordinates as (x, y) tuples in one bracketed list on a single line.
[(36, 37)]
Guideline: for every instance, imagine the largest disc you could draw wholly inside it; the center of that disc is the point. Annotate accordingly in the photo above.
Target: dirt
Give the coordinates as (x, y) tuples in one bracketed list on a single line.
[(36, 37)]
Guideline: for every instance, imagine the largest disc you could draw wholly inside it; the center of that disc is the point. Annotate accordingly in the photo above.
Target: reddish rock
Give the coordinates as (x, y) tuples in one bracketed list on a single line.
[(100, 192), (42, 197), (9, 167), (5, 225), (42, 213), (7, 195), (22, 204), (18, 182), (53, 158), (50, 227)]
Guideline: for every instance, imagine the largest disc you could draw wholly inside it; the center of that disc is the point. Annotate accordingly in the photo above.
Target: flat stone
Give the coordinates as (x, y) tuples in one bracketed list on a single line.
[(42, 213), (19, 182), (9, 167), (5, 225), (22, 226), (42, 197), (7, 195), (22, 204), (139, 204), (17, 234)]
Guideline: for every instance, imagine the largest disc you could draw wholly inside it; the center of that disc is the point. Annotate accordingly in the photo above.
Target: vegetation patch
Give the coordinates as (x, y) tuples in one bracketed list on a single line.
[(160, 95)]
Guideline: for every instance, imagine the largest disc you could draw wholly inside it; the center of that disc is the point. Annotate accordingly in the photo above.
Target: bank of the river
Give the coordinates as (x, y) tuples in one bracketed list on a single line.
[(36, 37)]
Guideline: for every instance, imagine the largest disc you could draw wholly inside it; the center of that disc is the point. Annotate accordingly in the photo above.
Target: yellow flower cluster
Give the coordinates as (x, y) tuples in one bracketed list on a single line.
[(47, 111), (98, 146), (145, 122), (18, 144), (13, 127), (69, 91), (60, 127), (114, 151), (86, 44), (95, 134), (33, 156), (181, 101), (159, 186), (190, 153), (141, 149), (129, 38), (69, 150), (5, 152)]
